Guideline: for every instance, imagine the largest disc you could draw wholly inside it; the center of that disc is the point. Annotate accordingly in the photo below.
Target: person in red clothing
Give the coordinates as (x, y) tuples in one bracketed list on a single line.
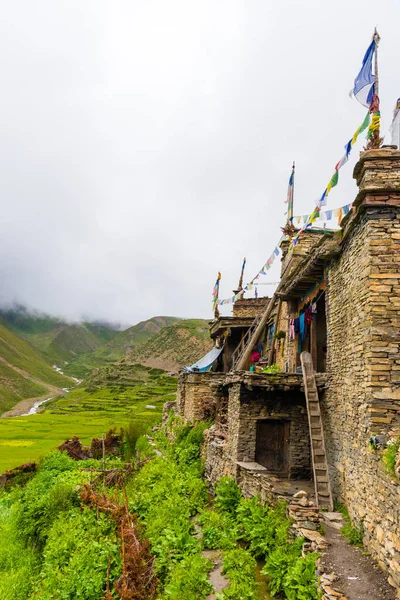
[(255, 356)]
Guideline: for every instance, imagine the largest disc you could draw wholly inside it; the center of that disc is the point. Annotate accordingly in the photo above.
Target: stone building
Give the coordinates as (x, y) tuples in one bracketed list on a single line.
[(332, 328)]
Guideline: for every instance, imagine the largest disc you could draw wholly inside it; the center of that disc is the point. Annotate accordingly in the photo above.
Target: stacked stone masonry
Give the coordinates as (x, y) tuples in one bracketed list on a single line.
[(361, 392)]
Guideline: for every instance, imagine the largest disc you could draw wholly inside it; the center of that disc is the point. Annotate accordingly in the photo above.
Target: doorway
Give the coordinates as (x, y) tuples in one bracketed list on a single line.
[(272, 445)]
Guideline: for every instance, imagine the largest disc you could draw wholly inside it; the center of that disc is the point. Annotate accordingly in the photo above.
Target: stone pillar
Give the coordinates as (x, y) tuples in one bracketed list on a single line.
[(363, 360), (378, 204)]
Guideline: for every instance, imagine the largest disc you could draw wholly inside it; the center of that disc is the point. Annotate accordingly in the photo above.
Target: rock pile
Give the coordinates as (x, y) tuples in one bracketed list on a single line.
[(306, 522)]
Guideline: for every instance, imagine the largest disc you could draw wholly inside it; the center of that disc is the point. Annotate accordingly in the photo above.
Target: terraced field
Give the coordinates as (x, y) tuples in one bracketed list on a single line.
[(112, 397)]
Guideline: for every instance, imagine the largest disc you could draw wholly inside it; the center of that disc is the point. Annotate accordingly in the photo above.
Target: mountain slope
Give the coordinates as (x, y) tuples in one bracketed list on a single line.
[(15, 387), (58, 340), (118, 347), (24, 372), (175, 346)]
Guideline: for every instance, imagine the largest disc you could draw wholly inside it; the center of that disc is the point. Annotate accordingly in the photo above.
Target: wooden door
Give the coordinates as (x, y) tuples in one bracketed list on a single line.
[(272, 445)]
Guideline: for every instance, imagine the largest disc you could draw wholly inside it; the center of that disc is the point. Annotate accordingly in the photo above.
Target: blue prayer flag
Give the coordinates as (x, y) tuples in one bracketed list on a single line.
[(363, 89)]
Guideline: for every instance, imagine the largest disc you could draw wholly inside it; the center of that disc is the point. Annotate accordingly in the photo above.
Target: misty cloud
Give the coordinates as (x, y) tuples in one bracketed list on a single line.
[(146, 145)]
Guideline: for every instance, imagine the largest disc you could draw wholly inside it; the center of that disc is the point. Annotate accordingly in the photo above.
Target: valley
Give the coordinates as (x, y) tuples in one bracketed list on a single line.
[(87, 377)]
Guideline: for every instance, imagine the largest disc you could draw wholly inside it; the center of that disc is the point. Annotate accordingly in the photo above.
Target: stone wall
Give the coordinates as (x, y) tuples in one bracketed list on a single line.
[(246, 407), (250, 307), (195, 396), (363, 362)]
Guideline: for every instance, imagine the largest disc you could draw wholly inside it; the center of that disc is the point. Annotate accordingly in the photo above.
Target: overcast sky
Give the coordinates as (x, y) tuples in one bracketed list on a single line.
[(145, 145)]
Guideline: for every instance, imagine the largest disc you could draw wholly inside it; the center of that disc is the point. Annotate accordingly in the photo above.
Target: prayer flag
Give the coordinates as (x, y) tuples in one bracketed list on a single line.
[(242, 274), (395, 126), (363, 89), (290, 193)]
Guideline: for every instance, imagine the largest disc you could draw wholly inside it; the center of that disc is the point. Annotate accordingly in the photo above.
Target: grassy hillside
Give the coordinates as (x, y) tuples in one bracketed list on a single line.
[(180, 344), (14, 387), (111, 397), (20, 354), (25, 322), (117, 348), (57, 340)]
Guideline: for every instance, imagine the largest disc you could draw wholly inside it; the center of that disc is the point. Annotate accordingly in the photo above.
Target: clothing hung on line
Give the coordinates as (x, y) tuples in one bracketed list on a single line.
[(297, 325), (292, 333)]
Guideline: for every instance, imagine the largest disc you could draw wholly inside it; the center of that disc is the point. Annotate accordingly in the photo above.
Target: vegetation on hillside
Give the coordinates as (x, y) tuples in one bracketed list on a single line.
[(175, 346), (31, 343), (68, 534), (116, 348), (24, 372), (110, 397), (57, 340), (19, 353), (15, 387)]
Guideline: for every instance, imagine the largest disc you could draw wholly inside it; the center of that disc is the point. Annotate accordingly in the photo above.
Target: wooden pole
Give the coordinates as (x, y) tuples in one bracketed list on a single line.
[(257, 333), (291, 221), (376, 69), (374, 134)]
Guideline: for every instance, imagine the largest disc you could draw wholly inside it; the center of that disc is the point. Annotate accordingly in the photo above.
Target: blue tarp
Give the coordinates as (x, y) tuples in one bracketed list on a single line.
[(206, 362)]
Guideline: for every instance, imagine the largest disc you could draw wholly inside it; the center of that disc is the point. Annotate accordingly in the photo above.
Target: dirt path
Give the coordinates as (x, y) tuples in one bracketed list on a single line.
[(359, 577)]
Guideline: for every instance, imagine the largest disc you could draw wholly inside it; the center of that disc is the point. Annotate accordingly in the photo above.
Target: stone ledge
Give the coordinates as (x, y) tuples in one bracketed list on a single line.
[(252, 466)]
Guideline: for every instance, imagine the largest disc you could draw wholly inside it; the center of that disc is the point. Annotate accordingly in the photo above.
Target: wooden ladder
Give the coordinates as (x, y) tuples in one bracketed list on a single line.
[(322, 484), (250, 339), (245, 342)]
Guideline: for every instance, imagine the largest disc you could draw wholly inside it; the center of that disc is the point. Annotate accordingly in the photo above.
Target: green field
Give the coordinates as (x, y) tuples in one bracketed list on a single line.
[(111, 399)]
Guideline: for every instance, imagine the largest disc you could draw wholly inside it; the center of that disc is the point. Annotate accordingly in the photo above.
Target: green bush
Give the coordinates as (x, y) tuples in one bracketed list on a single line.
[(52, 492), (188, 580), (300, 581), (227, 496), (79, 548), (262, 527), (278, 562), (18, 564), (219, 531), (166, 493), (390, 455), (353, 533), (144, 447), (132, 432), (240, 568)]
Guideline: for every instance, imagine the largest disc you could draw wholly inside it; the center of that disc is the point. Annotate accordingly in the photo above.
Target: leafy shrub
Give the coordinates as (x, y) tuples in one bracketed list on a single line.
[(189, 579), (278, 563), (262, 527), (144, 447), (52, 492), (227, 496), (390, 455), (353, 534), (240, 568), (79, 548), (166, 493), (219, 531), (132, 432), (18, 564), (300, 581)]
